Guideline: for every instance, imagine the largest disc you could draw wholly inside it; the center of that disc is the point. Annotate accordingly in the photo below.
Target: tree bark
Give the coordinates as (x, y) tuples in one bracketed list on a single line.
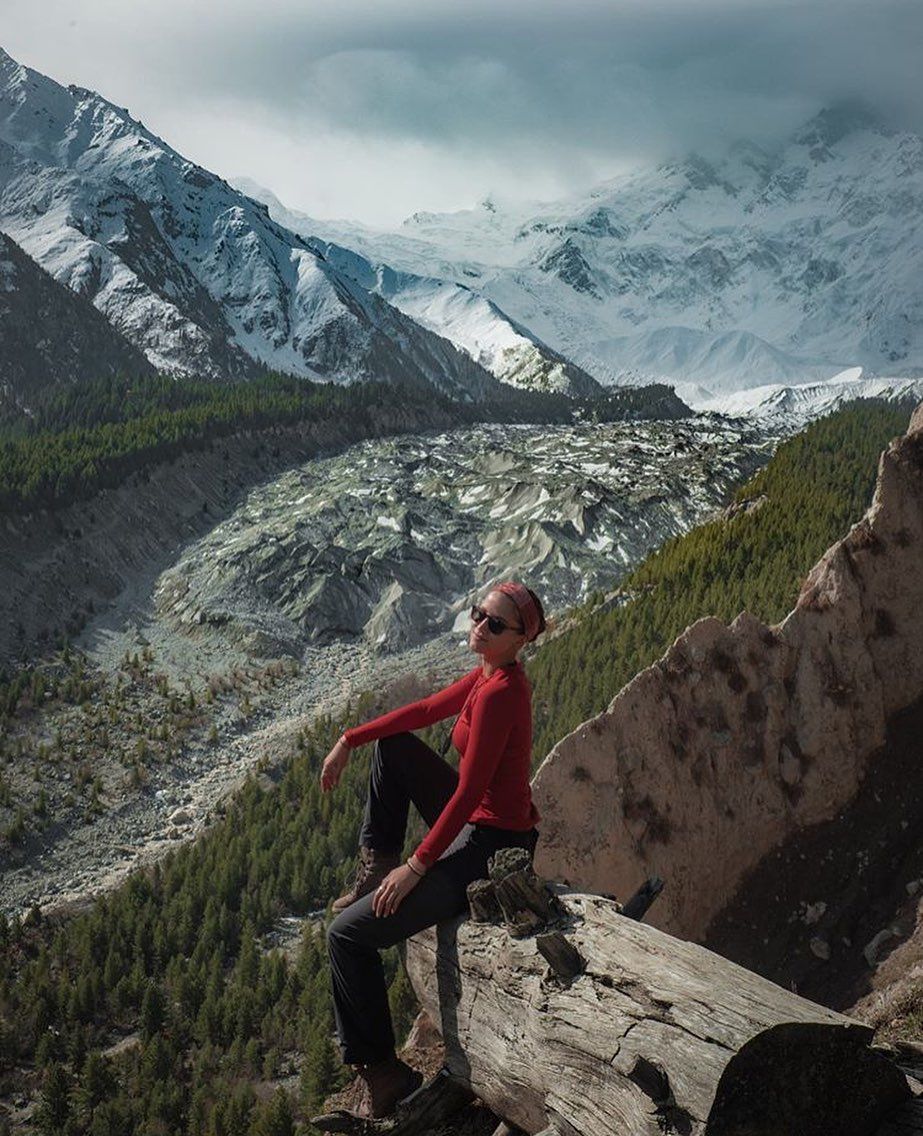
[(612, 1027)]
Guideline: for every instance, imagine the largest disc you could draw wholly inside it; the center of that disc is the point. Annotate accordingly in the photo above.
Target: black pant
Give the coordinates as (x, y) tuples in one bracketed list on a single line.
[(404, 769)]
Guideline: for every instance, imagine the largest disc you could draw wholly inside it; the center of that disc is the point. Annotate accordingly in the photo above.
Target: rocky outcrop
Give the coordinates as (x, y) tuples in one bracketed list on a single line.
[(739, 736)]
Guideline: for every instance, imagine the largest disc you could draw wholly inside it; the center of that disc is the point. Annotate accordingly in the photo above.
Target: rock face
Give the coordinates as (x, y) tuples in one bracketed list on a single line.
[(49, 335), (739, 735)]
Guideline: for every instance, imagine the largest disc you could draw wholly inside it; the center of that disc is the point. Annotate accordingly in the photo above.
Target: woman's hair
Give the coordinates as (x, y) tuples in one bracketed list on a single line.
[(530, 607), (541, 612)]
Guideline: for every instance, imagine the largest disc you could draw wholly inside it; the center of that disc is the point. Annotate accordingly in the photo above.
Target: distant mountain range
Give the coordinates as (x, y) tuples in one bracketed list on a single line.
[(797, 405), (767, 267)]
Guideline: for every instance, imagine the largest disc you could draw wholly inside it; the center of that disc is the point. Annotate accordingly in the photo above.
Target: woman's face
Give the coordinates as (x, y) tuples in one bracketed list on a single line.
[(497, 645)]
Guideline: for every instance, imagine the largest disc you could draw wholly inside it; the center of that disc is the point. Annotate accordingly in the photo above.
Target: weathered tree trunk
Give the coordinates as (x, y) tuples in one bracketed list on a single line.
[(601, 1025)]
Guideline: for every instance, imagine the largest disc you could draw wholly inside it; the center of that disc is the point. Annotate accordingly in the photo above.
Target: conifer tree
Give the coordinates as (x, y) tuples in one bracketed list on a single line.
[(54, 1106), (94, 1085), (275, 1118), (320, 1068), (153, 1011)]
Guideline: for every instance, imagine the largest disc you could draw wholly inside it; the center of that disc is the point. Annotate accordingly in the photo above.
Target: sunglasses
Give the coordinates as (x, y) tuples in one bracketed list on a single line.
[(494, 625)]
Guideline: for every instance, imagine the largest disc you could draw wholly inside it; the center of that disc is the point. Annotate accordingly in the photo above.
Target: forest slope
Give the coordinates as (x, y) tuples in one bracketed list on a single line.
[(167, 1007)]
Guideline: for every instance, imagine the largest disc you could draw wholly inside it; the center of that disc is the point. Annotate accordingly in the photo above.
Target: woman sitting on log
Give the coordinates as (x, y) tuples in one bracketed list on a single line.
[(484, 806)]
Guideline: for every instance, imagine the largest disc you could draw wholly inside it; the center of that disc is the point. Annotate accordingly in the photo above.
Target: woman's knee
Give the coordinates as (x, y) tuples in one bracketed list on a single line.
[(395, 743), (392, 747), (356, 928), (341, 931), (363, 934)]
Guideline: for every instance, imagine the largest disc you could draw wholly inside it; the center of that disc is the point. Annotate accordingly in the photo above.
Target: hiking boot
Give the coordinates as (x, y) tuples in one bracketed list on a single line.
[(386, 1082), (372, 869)]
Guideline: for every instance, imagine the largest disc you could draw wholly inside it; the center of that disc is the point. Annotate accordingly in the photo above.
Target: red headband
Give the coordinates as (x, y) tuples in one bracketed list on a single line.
[(519, 594)]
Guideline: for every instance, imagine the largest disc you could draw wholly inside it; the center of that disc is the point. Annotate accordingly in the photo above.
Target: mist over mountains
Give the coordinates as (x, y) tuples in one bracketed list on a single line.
[(780, 266), (768, 266)]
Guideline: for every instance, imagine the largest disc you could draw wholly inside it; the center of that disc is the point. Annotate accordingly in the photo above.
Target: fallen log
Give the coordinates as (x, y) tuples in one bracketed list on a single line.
[(599, 1025)]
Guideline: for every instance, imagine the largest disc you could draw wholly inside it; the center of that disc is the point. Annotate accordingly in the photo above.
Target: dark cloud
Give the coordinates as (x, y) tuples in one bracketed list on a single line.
[(560, 91), (600, 74)]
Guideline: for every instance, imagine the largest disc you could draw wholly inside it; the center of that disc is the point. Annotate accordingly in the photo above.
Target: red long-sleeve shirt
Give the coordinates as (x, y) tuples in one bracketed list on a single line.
[(493, 736)]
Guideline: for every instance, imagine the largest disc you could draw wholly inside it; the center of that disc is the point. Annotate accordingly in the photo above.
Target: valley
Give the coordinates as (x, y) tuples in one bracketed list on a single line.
[(256, 466), (348, 573)]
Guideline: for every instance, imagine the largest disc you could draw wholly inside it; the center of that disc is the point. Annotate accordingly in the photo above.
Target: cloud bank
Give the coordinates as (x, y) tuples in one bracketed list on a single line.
[(375, 109)]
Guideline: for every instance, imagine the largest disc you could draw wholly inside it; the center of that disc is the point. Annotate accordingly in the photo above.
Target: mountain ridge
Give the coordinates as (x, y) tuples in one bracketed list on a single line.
[(806, 250), (77, 342), (194, 273), (761, 265)]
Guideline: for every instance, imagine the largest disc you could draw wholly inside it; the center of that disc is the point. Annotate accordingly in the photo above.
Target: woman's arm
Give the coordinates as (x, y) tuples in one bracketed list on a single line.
[(411, 717), (493, 714), (415, 715)]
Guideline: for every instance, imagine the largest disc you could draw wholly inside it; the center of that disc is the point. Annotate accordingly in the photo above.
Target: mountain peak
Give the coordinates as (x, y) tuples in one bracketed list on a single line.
[(831, 124), (12, 74), (157, 243)]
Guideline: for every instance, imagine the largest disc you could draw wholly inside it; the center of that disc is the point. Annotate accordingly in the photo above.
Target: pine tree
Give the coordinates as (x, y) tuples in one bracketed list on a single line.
[(153, 1011), (319, 1074), (93, 1087), (54, 1106), (275, 1119)]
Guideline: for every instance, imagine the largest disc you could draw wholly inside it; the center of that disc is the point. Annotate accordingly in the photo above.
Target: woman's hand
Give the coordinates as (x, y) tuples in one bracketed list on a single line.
[(334, 764), (393, 888)]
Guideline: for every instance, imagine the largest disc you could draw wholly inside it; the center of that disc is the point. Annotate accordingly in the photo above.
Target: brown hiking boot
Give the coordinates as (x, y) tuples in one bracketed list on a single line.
[(386, 1082), (372, 869)]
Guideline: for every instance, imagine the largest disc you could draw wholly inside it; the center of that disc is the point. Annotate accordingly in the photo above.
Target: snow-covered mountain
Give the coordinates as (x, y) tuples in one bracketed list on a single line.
[(191, 271), (795, 406), (767, 266), (510, 351), (764, 267), (75, 342)]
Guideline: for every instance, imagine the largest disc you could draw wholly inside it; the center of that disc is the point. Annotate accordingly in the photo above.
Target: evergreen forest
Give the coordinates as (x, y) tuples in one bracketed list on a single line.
[(167, 1008), (79, 439)]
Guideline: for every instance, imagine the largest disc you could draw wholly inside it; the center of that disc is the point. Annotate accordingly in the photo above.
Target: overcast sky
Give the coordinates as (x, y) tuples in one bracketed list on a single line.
[(372, 109)]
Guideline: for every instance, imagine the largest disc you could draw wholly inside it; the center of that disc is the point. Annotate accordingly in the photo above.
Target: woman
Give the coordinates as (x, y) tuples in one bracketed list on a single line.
[(486, 805)]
